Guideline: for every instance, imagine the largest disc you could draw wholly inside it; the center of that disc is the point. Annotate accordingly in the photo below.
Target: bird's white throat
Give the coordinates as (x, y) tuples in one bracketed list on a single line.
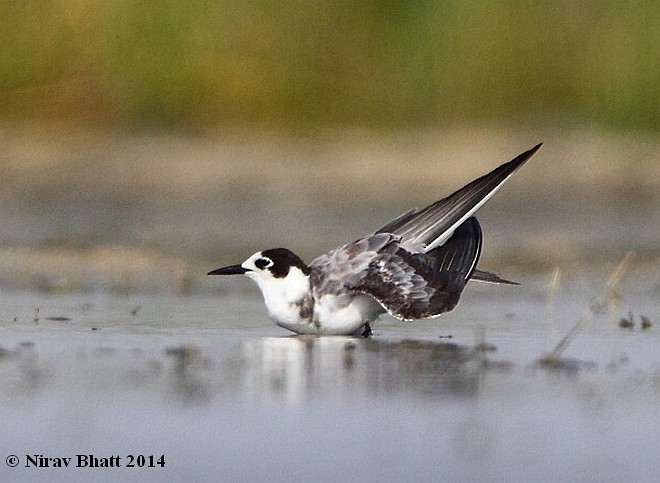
[(283, 296)]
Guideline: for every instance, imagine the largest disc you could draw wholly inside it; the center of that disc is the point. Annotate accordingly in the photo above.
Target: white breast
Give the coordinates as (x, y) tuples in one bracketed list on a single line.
[(333, 314), (283, 297)]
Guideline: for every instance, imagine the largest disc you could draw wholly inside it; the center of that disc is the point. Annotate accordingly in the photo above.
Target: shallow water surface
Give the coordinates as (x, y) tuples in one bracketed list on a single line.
[(211, 384)]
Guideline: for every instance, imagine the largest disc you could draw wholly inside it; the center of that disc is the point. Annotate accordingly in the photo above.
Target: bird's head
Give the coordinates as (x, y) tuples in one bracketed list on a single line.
[(277, 268)]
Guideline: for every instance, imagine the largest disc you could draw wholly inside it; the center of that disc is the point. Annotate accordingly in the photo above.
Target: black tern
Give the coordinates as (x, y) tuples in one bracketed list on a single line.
[(414, 267)]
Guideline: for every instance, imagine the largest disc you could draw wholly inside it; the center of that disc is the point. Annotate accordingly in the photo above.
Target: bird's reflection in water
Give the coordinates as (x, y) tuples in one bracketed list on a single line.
[(298, 368)]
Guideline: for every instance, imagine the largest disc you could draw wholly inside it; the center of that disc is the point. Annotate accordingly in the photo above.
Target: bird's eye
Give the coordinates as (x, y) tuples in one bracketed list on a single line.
[(262, 263)]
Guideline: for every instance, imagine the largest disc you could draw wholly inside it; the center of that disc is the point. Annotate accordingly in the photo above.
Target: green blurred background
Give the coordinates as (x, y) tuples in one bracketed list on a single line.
[(371, 63), (142, 143)]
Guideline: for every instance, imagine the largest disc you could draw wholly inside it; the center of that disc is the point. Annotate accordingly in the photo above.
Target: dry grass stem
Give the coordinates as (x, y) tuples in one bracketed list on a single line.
[(599, 303), (552, 291)]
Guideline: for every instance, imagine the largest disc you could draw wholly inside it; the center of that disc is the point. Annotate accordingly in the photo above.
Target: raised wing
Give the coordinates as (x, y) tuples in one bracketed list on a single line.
[(429, 228)]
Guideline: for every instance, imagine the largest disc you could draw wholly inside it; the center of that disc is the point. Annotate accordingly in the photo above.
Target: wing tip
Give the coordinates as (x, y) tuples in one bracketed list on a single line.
[(531, 152), (519, 160)]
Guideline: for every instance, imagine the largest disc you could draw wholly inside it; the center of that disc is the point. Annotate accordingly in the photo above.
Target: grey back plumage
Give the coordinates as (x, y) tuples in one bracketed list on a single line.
[(344, 267), (408, 285)]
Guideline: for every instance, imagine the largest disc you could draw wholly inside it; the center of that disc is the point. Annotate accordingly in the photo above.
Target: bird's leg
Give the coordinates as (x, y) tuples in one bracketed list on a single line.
[(367, 332)]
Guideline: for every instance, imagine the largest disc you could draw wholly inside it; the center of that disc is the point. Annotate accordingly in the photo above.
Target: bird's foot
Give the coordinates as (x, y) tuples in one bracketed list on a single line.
[(367, 332)]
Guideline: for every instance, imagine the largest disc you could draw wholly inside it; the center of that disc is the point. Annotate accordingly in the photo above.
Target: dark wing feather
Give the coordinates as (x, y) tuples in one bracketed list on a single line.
[(426, 229), (422, 285)]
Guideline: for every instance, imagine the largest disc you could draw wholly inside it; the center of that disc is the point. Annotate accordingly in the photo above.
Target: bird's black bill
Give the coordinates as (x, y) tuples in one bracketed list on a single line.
[(230, 270)]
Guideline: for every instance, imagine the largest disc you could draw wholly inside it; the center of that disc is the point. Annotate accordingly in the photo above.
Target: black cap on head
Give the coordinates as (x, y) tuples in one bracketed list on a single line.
[(283, 259)]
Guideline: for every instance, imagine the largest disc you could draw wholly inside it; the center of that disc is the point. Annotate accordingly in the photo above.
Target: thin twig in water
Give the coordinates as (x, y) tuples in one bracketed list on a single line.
[(596, 305)]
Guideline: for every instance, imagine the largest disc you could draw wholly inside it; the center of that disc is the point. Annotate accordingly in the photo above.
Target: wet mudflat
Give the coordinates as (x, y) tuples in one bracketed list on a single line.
[(208, 382), (145, 356)]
